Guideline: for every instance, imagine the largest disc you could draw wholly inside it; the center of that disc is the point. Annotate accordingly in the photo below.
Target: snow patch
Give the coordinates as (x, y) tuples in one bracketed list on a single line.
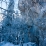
[(10, 44)]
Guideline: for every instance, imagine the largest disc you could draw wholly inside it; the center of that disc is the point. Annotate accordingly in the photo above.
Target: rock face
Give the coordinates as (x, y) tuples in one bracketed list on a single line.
[(34, 14)]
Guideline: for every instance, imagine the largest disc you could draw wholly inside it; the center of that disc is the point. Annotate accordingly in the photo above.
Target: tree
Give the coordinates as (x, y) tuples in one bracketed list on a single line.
[(7, 22)]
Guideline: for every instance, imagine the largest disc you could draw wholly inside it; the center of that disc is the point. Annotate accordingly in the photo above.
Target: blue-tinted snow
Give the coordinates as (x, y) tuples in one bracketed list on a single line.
[(10, 44)]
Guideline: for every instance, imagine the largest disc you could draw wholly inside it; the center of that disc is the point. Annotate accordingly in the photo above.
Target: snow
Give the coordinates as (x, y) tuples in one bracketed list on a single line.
[(10, 44)]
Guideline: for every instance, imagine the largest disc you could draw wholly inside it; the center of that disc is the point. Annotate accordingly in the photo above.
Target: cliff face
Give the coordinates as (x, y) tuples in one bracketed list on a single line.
[(34, 14)]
